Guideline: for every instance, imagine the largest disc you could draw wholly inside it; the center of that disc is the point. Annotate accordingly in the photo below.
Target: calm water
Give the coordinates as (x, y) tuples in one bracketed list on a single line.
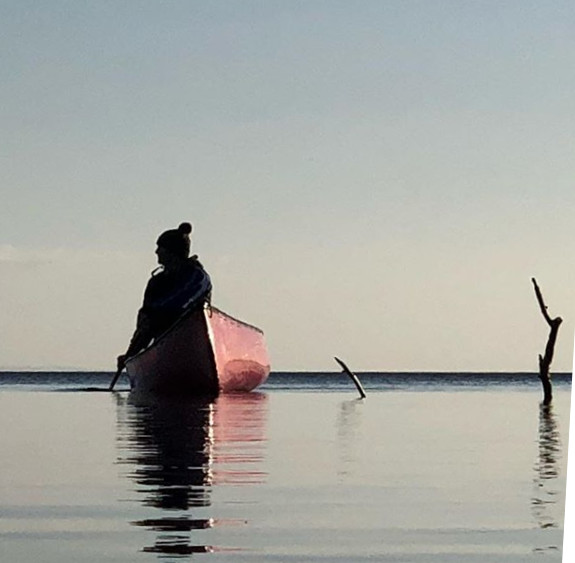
[(429, 468)]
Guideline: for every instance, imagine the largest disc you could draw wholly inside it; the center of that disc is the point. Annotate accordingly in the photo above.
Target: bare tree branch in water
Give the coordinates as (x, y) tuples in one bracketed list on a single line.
[(545, 361)]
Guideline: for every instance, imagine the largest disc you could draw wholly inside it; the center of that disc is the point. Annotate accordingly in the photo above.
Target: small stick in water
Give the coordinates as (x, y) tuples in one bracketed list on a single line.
[(354, 378)]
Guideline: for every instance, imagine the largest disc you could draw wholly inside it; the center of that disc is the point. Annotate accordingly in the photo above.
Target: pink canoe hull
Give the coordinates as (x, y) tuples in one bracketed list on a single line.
[(207, 352)]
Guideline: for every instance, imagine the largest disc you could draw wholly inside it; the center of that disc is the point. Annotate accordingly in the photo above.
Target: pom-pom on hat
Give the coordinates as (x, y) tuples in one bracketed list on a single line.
[(177, 241)]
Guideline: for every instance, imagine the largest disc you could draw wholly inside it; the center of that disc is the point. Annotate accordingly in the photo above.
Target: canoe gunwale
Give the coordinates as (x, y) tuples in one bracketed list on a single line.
[(208, 309), (164, 334), (229, 355), (211, 308)]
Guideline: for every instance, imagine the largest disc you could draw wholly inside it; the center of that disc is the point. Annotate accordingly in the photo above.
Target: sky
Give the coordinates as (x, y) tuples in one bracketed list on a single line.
[(374, 180)]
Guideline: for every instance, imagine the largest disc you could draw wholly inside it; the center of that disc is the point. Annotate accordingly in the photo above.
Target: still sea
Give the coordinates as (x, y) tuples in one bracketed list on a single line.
[(429, 468)]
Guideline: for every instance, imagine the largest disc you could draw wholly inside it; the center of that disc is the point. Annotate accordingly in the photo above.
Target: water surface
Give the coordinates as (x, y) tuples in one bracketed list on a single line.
[(429, 468)]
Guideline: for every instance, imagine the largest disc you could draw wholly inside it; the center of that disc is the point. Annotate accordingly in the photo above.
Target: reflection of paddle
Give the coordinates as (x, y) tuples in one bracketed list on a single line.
[(354, 378), (116, 375)]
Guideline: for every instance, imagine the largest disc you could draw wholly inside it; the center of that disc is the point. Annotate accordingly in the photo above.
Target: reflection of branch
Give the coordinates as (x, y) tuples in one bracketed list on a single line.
[(348, 421), (545, 361), (549, 443), (546, 469)]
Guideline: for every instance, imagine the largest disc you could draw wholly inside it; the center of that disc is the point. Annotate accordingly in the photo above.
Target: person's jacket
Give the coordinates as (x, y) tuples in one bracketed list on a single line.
[(169, 294)]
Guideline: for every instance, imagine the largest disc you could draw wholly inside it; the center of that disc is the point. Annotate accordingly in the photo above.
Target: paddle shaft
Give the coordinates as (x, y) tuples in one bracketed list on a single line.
[(116, 376)]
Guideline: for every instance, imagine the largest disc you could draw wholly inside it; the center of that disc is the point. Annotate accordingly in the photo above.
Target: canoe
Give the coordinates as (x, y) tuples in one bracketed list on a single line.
[(205, 352)]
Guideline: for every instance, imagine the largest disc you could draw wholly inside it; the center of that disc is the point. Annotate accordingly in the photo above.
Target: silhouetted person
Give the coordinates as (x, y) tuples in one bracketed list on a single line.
[(179, 285)]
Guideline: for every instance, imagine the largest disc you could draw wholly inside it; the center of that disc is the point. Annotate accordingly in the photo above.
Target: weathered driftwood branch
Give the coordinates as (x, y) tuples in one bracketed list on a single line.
[(545, 361), (354, 378)]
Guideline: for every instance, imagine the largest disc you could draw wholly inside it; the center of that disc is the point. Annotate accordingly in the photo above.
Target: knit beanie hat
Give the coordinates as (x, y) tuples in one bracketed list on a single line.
[(177, 241)]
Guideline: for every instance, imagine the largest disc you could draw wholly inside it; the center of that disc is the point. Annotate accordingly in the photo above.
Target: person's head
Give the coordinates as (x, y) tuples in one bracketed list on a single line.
[(174, 245)]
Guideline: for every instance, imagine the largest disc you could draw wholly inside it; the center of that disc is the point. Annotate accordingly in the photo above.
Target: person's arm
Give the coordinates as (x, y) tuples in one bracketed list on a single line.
[(140, 339)]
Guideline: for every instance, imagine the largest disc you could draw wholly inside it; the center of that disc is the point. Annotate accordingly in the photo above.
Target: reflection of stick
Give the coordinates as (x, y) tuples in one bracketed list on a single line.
[(354, 378), (545, 361)]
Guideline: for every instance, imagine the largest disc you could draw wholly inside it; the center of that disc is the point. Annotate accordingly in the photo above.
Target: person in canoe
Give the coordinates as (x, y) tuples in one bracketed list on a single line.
[(178, 285)]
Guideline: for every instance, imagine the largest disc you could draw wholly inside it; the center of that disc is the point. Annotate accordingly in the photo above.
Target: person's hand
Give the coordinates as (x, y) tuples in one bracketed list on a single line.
[(121, 362)]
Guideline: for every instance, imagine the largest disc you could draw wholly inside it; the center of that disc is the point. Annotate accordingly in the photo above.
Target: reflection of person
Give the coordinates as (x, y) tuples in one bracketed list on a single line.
[(169, 453), (177, 450), (179, 285), (172, 453)]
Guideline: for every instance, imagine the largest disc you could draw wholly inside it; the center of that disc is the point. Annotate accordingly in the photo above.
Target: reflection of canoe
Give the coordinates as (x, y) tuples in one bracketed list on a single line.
[(176, 450), (205, 352)]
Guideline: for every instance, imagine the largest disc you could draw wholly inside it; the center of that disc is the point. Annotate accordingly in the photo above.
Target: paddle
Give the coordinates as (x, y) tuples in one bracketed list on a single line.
[(354, 378), (116, 375)]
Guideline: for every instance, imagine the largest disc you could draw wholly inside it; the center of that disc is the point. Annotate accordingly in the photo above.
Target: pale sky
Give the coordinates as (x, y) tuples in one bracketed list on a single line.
[(375, 180)]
